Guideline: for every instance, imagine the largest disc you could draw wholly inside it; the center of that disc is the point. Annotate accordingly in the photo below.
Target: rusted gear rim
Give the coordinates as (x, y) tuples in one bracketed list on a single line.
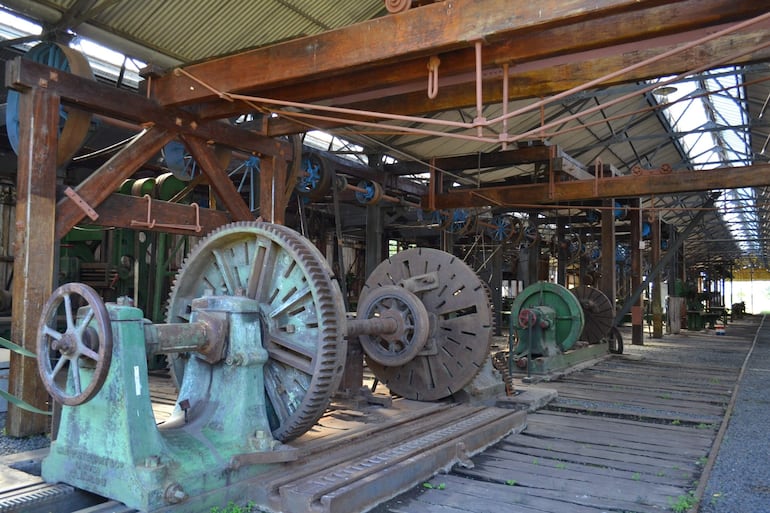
[(329, 359)]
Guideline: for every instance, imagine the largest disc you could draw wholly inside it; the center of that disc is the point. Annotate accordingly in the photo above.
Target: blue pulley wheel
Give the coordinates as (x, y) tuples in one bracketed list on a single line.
[(73, 124)]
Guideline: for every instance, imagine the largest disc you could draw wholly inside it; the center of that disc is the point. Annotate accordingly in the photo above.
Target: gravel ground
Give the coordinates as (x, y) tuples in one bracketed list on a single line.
[(740, 479), (11, 445)]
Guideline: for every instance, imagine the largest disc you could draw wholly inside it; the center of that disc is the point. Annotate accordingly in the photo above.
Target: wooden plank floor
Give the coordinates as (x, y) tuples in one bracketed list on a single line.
[(629, 434)]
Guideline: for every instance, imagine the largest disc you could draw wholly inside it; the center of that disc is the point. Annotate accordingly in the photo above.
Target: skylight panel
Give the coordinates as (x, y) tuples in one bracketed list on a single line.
[(709, 112)]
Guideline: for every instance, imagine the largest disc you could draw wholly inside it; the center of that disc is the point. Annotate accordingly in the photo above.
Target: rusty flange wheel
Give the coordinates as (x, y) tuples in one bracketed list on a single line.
[(460, 320), (413, 325), (86, 343), (302, 314)]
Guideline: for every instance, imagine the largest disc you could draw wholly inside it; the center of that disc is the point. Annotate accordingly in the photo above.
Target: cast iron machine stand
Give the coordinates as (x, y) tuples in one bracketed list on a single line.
[(256, 335), (550, 321)]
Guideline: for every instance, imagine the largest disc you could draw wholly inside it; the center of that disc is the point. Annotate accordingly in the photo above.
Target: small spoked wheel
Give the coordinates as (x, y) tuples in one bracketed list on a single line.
[(412, 325), (85, 343)]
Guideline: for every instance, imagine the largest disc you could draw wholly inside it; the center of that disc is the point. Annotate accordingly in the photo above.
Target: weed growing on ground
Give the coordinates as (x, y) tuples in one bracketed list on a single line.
[(683, 503), (232, 507)]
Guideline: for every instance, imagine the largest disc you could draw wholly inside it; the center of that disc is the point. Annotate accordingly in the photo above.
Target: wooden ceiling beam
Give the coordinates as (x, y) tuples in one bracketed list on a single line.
[(23, 74), (432, 29), (554, 75), (457, 66), (626, 186)]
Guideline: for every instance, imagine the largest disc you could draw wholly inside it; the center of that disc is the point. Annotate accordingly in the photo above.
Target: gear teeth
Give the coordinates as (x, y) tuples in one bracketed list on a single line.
[(331, 343)]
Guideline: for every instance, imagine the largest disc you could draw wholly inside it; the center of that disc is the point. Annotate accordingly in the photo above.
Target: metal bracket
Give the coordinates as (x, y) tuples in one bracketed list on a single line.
[(151, 223), (80, 202), (421, 282)]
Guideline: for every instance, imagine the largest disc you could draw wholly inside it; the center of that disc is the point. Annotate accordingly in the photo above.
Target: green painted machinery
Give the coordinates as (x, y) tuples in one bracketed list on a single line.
[(549, 320), (256, 334)]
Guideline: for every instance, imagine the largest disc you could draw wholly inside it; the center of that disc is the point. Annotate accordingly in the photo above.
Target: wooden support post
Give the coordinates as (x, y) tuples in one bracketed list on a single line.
[(561, 256), (34, 257), (637, 309), (272, 190), (607, 284), (657, 306), (218, 180)]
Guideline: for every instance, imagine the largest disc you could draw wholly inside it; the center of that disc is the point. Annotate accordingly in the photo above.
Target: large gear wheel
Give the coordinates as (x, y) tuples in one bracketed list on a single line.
[(303, 316), (460, 319)]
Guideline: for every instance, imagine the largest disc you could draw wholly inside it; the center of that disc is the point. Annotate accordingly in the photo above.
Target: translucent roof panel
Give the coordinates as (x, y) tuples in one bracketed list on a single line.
[(708, 112)]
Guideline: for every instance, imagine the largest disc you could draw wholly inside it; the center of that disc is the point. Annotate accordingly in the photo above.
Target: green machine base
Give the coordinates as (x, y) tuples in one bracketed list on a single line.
[(549, 364), (110, 445)]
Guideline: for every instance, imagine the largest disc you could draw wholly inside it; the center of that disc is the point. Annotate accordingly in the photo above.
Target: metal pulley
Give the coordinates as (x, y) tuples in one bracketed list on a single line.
[(405, 325), (460, 323), (315, 176), (369, 192), (549, 320), (183, 166), (74, 124), (503, 228)]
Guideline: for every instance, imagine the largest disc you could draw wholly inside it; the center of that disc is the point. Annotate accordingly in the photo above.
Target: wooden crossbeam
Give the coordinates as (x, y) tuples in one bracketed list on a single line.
[(611, 187), (549, 76), (108, 178), (437, 28), (517, 44), (98, 98)]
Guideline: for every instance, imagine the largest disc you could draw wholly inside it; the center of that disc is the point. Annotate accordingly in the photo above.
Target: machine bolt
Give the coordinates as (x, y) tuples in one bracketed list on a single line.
[(175, 494), (124, 301)]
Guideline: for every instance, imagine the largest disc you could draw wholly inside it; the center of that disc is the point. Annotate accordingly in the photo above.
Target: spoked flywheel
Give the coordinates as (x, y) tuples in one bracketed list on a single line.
[(302, 314), (460, 323), (598, 311)]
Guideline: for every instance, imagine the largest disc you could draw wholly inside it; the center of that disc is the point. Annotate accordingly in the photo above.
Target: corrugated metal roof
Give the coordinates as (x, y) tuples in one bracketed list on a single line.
[(194, 30)]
